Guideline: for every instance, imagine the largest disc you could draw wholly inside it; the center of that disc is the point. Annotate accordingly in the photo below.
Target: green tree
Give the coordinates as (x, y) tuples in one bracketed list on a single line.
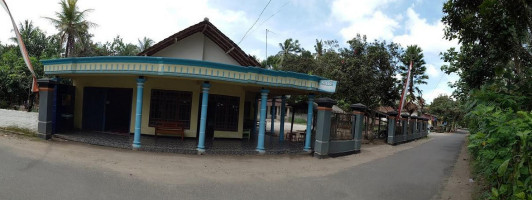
[(304, 63), (447, 110), (34, 39), (414, 97), (72, 24), (289, 48), (16, 79), (318, 47), (365, 72), (272, 62), (145, 43), (495, 44), (120, 48), (494, 63), (53, 47)]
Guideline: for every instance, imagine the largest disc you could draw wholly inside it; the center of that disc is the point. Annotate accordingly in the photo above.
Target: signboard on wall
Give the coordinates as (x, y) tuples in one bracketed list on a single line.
[(327, 86)]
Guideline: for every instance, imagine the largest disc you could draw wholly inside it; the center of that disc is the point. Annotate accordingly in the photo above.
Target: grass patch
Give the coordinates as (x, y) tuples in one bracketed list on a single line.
[(297, 121), (18, 130)]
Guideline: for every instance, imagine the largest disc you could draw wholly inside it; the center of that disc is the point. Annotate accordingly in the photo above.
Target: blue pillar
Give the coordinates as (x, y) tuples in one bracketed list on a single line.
[(262, 123), (283, 113), (203, 117), (309, 122), (272, 129), (138, 112)]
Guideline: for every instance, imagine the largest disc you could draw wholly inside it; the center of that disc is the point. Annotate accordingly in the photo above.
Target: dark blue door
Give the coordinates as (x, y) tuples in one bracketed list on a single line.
[(94, 108), (63, 108)]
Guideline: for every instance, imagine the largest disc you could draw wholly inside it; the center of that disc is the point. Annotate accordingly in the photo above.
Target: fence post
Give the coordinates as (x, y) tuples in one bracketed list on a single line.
[(404, 120), (412, 124), (46, 101), (323, 126), (391, 126), (358, 111), (419, 125), (425, 127), (413, 119)]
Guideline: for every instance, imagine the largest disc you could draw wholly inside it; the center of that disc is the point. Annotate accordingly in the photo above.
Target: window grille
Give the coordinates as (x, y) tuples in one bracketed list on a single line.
[(170, 106)]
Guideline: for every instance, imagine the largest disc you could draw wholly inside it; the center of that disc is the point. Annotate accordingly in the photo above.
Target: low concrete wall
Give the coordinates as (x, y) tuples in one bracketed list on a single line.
[(341, 146), (20, 119)]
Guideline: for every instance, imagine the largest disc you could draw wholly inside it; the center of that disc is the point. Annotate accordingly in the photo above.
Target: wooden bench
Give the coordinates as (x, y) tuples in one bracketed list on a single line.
[(170, 128)]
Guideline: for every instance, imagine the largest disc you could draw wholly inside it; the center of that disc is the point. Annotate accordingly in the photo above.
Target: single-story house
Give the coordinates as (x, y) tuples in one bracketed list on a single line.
[(197, 79)]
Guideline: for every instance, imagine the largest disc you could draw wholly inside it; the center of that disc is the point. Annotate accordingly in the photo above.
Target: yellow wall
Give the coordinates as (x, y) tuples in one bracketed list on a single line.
[(193, 86)]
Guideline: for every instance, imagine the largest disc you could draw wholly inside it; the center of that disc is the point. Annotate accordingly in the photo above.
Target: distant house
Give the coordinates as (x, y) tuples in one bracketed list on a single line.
[(433, 120)]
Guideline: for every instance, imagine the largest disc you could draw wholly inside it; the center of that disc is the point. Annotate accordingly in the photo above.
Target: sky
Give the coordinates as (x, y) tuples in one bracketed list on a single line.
[(400, 21)]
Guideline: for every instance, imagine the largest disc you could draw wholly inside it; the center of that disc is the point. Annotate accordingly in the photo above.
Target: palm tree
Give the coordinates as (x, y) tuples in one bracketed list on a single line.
[(71, 24), (319, 48), (289, 46), (417, 75), (34, 39), (145, 43)]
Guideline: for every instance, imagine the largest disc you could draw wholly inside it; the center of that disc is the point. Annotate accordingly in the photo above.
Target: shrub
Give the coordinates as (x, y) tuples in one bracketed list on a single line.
[(501, 145)]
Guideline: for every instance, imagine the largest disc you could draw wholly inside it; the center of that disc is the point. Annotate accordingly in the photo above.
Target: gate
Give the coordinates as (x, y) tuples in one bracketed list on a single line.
[(63, 108), (341, 126)]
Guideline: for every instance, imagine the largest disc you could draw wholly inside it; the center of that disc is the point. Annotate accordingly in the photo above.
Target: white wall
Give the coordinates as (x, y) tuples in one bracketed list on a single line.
[(197, 47), (188, 48), (214, 53)]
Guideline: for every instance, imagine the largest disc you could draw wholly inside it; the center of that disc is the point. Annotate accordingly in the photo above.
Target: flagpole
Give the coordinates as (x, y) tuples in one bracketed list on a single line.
[(407, 82), (22, 47)]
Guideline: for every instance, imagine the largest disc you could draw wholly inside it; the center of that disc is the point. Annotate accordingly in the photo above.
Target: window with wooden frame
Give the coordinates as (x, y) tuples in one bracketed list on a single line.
[(170, 106), (226, 112)]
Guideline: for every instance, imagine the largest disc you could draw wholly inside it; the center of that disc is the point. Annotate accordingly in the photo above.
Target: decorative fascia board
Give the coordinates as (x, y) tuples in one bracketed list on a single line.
[(175, 67)]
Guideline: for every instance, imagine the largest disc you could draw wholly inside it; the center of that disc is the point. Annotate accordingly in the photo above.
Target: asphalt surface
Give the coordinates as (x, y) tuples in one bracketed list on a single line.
[(416, 173)]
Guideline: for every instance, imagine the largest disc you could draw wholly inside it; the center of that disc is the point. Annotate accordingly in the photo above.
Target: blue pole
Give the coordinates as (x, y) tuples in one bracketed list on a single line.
[(138, 112), (283, 113), (203, 117), (262, 123), (309, 121), (272, 129)]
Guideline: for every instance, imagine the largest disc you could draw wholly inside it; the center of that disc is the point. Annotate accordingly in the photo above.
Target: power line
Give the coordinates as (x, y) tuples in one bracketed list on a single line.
[(434, 89), (254, 22), (279, 10)]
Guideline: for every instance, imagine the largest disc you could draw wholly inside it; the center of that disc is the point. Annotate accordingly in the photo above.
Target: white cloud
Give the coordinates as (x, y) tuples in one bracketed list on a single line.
[(364, 17), (348, 10), (431, 95), (429, 36), (442, 88), (131, 19), (377, 26), (432, 71)]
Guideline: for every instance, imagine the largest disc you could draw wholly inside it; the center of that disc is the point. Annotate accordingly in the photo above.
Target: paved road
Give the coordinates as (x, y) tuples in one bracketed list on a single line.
[(416, 173)]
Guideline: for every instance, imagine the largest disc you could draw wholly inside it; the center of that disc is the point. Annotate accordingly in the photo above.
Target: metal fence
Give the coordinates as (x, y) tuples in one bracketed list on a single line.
[(341, 126)]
